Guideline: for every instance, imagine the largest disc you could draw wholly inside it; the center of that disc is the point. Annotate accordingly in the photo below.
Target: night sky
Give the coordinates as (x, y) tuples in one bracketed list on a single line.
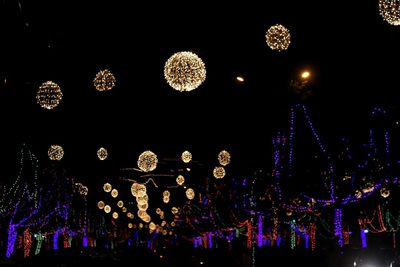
[(351, 52)]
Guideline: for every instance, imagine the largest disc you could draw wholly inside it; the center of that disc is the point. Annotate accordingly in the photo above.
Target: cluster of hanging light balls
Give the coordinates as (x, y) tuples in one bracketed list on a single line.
[(55, 152), (104, 80), (390, 11), (49, 95), (147, 161), (278, 37)]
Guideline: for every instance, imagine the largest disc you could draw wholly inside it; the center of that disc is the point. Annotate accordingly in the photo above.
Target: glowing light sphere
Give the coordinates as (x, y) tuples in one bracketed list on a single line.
[(141, 213), (278, 37), (102, 153), (104, 80), (138, 190), (129, 215), (142, 200), (55, 152), (124, 209), (107, 187), (180, 180), (172, 224), (107, 209), (100, 204), (186, 156), (190, 193), (224, 157), (184, 71), (219, 172), (158, 210), (358, 194), (390, 11), (152, 226), (115, 215), (83, 190), (165, 199), (174, 210), (146, 218), (147, 161), (143, 206), (166, 193), (140, 225), (114, 193), (130, 225), (120, 204), (49, 95), (163, 223), (385, 192)]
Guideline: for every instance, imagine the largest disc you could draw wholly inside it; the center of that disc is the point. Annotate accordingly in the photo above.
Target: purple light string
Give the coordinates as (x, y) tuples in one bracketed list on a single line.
[(338, 226), (260, 233), (363, 238)]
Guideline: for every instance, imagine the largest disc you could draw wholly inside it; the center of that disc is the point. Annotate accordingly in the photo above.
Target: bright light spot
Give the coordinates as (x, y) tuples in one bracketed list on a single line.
[(201, 263), (188, 169), (240, 79), (305, 74), (366, 231), (355, 263)]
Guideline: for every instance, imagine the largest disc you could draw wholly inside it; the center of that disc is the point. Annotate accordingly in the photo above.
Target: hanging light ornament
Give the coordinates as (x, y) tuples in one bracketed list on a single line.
[(152, 226), (158, 210), (107, 187), (385, 192), (102, 153), (107, 209), (143, 206), (219, 172), (165, 199), (124, 209), (100, 204), (180, 180), (390, 11), (147, 161), (184, 71), (190, 193), (49, 95), (130, 225), (224, 158), (166, 193), (186, 156), (278, 37), (142, 200), (174, 210), (55, 152), (138, 190), (120, 204), (115, 215), (104, 80), (114, 193)]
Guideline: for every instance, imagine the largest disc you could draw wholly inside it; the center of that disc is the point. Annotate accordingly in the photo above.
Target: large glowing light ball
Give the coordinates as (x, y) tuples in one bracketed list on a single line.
[(390, 11), (147, 161), (219, 172), (224, 158), (102, 153), (49, 95), (186, 156), (55, 152), (190, 193), (184, 71), (278, 37), (180, 180), (107, 187), (104, 80)]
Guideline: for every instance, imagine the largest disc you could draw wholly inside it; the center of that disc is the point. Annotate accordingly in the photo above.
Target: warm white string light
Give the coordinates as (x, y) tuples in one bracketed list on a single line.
[(390, 11)]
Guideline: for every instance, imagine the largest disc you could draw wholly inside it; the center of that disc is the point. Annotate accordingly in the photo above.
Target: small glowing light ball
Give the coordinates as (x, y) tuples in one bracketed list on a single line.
[(49, 95), (390, 11), (100, 204), (129, 215), (124, 209), (278, 37), (165, 199), (174, 210), (114, 193), (184, 71), (107, 187), (115, 215), (224, 158), (219, 172), (120, 204), (143, 206), (166, 193), (142, 200), (180, 180), (172, 224), (190, 193), (102, 153), (107, 209), (104, 80), (130, 225), (385, 192), (186, 156), (147, 161), (55, 152), (158, 210), (152, 226)]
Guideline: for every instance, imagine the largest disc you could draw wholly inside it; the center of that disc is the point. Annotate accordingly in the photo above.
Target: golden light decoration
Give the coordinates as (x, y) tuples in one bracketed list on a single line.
[(146, 218), (278, 37), (172, 224), (184, 71), (141, 213), (358, 194), (102, 153), (180, 180), (186, 156), (142, 200), (100, 204), (107, 209), (166, 193), (219, 172), (147, 161), (390, 11), (143, 206), (158, 210), (114, 193), (129, 215), (224, 157), (385, 192), (140, 225), (83, 190), (49, 95), (130, 225), (138, 190), (55, 152), (107, 187), (115, 215), (164, 232), (120, 204), (190, 193), (165, 199), (124, 209), (174, 210), (104, 80), (152, 226)]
